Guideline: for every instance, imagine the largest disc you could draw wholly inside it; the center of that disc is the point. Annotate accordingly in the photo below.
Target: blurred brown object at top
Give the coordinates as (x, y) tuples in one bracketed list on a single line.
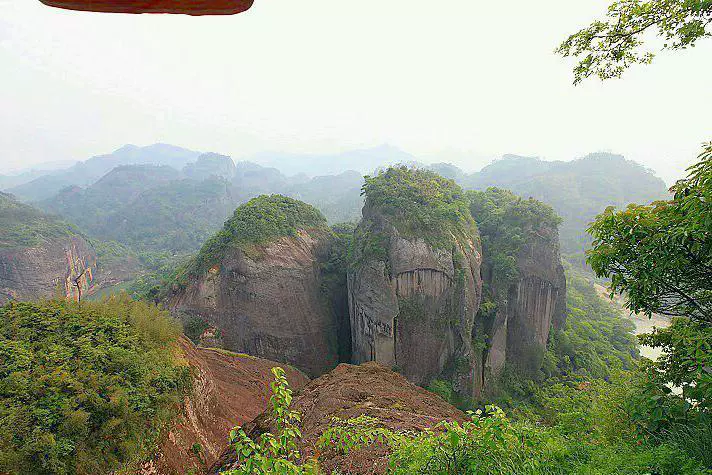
[(187, 7)]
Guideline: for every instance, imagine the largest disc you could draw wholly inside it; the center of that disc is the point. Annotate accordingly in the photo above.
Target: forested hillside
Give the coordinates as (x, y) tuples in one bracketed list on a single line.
[(85, 389), (41, 255), (575, 395), (578, 190), (158, 203), (87, 172), (95, 196), (316, 305)]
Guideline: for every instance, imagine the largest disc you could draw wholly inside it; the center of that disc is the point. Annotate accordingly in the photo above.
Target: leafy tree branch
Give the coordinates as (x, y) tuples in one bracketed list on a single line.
[(607, 48)]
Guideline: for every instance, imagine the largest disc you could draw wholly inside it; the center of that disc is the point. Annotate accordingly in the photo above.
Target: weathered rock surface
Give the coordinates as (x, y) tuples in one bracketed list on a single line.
[(228, 390), (40, 255), (350, 391), (270, 304), (29, 273), (529, 306), (413, 307)]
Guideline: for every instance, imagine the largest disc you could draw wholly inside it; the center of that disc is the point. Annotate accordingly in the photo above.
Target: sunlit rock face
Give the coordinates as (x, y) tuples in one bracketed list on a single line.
[(413, 306), (187, 7)]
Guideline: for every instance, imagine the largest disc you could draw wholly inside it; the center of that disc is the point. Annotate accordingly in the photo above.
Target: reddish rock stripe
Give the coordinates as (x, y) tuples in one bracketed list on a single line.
[(187, 7)]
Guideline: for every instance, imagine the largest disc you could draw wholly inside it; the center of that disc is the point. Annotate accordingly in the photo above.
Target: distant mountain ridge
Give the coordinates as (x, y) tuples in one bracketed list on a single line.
[(155, 205), (578, 190), (87, 172), (363, 161)]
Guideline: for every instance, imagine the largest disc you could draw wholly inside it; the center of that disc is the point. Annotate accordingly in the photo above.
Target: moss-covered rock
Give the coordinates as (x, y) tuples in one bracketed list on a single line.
[(524, 281), (256, 223)]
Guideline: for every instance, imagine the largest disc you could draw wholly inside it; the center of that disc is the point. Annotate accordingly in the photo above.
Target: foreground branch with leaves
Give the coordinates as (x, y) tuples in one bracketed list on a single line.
[(274, 453), (607, 48)]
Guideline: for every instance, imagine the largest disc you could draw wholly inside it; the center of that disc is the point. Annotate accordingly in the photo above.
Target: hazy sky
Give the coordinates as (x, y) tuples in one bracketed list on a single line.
[(456, 80)]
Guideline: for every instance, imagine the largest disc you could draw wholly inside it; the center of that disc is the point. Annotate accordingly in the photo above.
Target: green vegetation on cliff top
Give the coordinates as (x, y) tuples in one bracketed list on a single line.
[(22, 225), (85, 388), (506, 222), (259, 221), (421, 203)]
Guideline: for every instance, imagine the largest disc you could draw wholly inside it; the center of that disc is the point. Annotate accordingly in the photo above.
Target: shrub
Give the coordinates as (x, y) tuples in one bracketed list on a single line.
[(85, 389), (274, 453), (343, 436)]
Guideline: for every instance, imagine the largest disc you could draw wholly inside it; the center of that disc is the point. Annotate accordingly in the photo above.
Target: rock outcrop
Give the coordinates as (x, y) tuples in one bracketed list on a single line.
[(413, 302), (415, 283), (350, 391), (526, 303), (41, 256), (210, 165), (265, 299), (528, 307), (228, 390)]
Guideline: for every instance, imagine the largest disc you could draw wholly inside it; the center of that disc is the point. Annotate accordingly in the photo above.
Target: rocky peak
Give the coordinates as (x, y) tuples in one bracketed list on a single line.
[(259, 283), (525, 285), (210, 164), (414, 283)]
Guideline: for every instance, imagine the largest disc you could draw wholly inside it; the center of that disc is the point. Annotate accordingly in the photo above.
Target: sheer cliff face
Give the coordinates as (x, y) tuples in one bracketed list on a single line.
[(64, 265), (269, 306), (413, 306), (529, 306)]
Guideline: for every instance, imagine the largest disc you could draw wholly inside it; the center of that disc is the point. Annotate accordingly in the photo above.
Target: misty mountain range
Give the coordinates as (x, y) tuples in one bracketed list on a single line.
[(164, 197)]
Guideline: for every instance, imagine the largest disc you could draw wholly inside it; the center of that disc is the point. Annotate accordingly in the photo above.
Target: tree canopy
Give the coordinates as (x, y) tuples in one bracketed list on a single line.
[(259, 221), (22, 225), (421, 202), (607, 48), (506, 221)]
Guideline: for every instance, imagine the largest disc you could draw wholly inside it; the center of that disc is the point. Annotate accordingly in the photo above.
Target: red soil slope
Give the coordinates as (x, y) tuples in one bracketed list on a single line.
[(349, 391), (228, 390)]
